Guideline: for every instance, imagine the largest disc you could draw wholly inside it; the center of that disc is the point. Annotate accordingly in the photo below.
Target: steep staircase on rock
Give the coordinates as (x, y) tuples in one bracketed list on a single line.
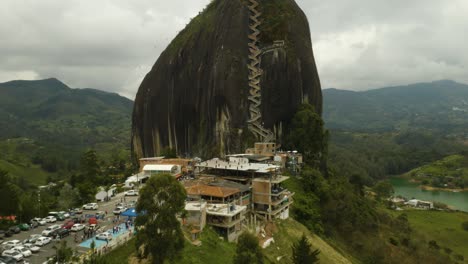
[(255, 73)]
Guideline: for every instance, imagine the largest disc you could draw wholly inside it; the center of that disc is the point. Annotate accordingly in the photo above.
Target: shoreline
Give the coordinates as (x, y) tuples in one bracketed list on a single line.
[(431, 188)]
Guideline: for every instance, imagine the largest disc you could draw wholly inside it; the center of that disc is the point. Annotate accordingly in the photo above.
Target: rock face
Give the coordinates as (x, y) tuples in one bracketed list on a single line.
[(194, 99)]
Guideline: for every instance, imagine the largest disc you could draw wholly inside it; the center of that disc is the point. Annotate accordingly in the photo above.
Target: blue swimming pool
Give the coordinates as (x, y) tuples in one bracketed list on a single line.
[(100, 243)]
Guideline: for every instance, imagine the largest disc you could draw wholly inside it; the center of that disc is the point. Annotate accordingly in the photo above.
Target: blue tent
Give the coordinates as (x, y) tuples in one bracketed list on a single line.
[(131, 212)]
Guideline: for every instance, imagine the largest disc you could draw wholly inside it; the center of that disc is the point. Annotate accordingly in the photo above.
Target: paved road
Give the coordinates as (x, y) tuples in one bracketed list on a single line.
[(48, 250)]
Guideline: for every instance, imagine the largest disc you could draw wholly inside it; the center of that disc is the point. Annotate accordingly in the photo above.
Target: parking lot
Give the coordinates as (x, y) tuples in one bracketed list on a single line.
[(103, 224)]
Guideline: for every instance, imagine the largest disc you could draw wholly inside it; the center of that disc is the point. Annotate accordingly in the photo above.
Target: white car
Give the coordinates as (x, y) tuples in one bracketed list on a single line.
[(11, 244), (77, 227), (23, 250), (90, 206), (32, 247), (12, 253), (42, 241), (40, 221), (131, 193), (50, 219), (32, 238), (119, 209), (104, 236), (50, 229), (65, 214)]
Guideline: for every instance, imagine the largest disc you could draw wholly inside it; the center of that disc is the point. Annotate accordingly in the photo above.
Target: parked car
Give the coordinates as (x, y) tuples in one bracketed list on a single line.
[(57, 215), (77, 227), (24, 227), (131, 193), (119, 209), (42, 241), (40, 221), (65, 214), (78, 220), (104, 236), (68, 224), (11, 244), (49, 231), (61, 233), (12, 253), (77, 210), (23, 250), (8, 233), (7, 260), (32, 247), (14, 229), (33, 224), (32, 238), (50, 219), (90, 206)]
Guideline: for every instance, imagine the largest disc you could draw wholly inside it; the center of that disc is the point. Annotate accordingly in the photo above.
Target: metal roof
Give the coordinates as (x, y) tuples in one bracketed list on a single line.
[(159, 167)]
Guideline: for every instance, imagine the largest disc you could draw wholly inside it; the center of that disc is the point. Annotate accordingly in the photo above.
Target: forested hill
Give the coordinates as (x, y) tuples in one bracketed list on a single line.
[(441, 106), (46, 119)]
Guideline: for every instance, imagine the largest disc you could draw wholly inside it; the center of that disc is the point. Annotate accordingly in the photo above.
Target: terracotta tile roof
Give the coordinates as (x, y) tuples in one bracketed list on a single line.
[(214, 191)]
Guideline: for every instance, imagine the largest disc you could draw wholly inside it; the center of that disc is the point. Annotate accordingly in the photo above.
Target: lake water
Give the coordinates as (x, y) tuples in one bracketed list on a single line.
[(410, 190)]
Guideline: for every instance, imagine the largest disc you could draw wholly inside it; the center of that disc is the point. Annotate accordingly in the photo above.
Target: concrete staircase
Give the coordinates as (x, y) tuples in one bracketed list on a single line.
[(255, 73)]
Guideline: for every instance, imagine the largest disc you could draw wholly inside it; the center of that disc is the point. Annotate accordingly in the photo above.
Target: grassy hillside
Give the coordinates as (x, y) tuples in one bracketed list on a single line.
[(213, 250), (45, 126), (289, 231), (445, 228), (450, 172), (33, 174)]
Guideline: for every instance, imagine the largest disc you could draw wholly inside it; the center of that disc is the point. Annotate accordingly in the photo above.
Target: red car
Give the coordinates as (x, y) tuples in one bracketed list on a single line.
[(68, 225)]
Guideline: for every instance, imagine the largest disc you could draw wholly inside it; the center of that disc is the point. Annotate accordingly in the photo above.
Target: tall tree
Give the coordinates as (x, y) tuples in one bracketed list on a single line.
[(89, 166), (302, 252), (160, 236), (10, 195), (307, 135), (248, 251), (68, 197), (383, 189)]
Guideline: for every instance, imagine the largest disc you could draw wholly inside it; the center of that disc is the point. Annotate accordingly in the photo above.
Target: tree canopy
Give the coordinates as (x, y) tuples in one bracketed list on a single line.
[(307, 135), (160, 235), (302, 252), (248, 251)]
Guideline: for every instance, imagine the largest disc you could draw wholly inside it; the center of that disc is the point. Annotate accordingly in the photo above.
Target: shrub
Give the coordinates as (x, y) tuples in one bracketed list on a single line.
[(465, 226), (433, 245), (393, 241)]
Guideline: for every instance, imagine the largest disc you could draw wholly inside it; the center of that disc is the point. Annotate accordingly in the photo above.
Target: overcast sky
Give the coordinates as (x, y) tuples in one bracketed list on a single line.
[(111, 44)]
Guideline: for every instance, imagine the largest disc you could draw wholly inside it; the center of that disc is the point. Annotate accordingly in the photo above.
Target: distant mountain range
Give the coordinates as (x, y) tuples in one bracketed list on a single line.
[(47, 124), (440, 106), (48, 110)]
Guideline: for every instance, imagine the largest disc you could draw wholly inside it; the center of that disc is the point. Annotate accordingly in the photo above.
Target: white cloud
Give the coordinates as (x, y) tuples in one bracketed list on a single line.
[(112, 44)]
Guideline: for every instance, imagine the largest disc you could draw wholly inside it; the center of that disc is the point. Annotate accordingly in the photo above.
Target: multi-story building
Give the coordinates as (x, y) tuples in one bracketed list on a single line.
[(270, 198), (226, 219)]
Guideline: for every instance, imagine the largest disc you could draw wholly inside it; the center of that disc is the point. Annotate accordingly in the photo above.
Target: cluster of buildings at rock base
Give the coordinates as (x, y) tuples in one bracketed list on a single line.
[(232, 193)]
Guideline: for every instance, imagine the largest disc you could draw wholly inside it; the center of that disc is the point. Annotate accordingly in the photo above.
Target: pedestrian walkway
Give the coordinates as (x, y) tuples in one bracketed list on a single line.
[(101, 243)]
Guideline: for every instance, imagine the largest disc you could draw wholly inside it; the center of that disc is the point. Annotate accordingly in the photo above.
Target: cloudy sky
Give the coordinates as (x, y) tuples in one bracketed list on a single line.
[(111, 44)]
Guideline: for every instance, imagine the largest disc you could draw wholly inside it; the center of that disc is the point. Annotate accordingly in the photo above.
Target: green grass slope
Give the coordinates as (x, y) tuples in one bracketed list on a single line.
[(290, 231), (214, 250), (33, 174), (443, 227), (450, 172)]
